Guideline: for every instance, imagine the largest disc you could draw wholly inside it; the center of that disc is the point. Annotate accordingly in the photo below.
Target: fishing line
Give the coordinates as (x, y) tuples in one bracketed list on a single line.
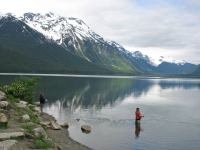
[(148, 110)]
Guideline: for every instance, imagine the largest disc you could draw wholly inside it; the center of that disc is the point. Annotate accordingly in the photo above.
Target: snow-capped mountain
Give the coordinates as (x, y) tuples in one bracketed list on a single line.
[(157, 61), (58, 28), (160, 65), (75, 36)]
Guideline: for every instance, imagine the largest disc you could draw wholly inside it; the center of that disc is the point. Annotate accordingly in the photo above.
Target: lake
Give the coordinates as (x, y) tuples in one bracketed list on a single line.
[(171, 109)]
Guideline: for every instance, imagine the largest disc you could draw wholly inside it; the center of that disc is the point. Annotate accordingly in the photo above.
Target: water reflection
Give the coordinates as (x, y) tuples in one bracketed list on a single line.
[(108, 104), (79, 93), (137, 130), (75, 92)]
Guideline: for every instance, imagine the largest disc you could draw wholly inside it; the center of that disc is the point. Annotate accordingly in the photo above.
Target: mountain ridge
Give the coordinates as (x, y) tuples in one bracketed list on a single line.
[(76, 37)]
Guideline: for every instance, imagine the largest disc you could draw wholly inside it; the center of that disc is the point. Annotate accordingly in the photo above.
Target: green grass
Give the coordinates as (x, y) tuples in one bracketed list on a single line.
[(42, 144), (3, 127), (12, 98), (28, 128), (34, 118)]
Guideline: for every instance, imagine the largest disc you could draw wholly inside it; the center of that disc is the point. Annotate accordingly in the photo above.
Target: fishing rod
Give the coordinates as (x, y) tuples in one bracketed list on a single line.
[(148, 110)]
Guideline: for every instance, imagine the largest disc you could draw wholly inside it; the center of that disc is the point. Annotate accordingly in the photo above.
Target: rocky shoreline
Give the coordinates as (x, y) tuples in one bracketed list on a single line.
[(24, 127)]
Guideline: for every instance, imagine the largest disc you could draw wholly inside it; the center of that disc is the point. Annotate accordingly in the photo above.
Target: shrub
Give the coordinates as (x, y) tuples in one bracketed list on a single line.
[(23, 88)]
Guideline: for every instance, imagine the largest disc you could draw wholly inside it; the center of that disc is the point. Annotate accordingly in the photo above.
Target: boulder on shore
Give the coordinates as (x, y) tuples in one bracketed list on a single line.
[(37, 103), (86, 128), (26, 118), (2, 96), (4, 136), (10, 145), (5, 112), (38, 110), (21, 105), (3, 120), (54, 125), (65, 125), (4, 105)]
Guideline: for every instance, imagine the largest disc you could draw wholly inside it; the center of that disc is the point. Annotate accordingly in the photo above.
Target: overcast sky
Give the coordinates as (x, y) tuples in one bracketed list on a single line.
[(154, 27)]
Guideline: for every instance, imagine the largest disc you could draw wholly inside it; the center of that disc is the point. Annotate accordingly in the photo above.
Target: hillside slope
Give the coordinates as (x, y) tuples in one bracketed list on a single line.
[(23, 49)]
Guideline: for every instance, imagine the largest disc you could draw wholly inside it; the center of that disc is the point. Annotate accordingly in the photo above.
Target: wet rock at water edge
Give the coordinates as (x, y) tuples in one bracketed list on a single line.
[(65, 125), (54, 125), (86, 128)]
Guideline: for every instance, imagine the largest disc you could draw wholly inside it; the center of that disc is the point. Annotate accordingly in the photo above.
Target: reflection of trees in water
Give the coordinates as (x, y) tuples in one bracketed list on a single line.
[(98, 92), (199, 85), (89, 92)]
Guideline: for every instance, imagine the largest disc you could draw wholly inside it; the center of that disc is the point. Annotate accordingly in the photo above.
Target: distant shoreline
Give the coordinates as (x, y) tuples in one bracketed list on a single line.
[(105, 76)]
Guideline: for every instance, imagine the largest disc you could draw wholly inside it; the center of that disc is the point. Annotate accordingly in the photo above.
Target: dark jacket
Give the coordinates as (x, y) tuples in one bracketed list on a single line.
[(42, 100)]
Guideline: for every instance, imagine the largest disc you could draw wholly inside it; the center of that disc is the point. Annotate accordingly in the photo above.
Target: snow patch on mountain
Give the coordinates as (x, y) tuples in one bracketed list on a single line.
[(168, 59), (57, 28), (139, 55), (157, 60)]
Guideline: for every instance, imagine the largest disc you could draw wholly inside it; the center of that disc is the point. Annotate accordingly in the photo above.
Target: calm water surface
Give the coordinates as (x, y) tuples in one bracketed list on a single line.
[(171, 108)]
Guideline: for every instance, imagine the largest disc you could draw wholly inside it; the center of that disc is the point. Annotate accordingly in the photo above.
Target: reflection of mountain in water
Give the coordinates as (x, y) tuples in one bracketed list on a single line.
[(86, 91), (178, 84)]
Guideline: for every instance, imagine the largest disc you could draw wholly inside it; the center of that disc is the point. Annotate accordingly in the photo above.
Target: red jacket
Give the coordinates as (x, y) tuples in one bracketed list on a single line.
[(137, 114)]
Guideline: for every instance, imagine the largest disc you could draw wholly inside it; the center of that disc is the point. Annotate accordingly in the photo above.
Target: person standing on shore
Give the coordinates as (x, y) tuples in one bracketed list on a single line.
[(42, 101), (137, 116)]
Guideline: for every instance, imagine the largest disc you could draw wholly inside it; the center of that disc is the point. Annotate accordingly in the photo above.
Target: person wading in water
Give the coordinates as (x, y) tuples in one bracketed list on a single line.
[(137, 116)]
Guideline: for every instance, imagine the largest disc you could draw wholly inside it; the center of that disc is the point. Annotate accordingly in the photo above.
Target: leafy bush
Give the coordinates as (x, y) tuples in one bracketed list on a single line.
[(12, 98), (23, 88)]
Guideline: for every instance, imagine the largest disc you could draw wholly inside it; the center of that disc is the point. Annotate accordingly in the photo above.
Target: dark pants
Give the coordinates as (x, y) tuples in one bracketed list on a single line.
[(137, 121), (41, 106)]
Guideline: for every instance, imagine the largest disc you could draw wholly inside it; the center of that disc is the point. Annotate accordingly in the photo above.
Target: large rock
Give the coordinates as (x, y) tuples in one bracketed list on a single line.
[(5, 112), (65, 125), (26, 118), (4, 105), (21, 105), (4, 136), (2, 96), (10, 145), (86, 128), (39, 131), (3, 120), (23, 102), (54, 125), (45, 123), (38, 110), (37, 103)]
